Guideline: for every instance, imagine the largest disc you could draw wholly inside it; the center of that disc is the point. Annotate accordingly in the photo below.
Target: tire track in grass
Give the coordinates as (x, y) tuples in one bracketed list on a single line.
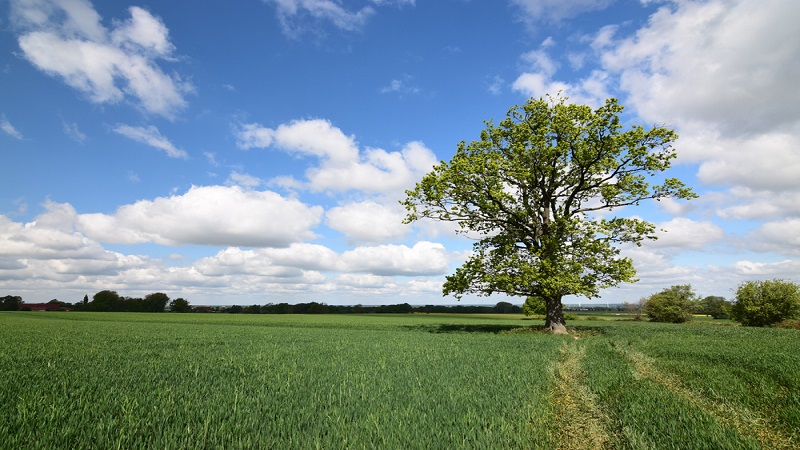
[(745, 421), (575, 419)]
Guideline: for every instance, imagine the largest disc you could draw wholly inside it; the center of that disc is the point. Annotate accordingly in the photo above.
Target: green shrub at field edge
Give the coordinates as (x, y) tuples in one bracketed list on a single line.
[(674, 304), (761, 303)]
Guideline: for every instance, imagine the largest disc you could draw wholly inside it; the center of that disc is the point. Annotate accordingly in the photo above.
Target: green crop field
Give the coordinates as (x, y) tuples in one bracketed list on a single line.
[(128, 380)]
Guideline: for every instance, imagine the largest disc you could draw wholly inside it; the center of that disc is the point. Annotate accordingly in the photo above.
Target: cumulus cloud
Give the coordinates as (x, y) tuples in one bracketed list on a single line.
[(684, 233), (540, 80), (368, 221), (9, 129), (211, 215), (743, 203), (781, 237), (786, 269), (151, 136), (424, 258), (728, 63), (51, 248), (342, 165), (723, 73), (68, 40)]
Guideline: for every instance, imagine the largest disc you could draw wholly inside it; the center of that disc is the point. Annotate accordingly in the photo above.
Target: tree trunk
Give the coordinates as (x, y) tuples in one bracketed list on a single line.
[(554, 320)]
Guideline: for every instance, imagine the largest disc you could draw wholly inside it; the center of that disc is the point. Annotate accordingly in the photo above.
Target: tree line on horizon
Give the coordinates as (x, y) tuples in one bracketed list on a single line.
[(105, 301)]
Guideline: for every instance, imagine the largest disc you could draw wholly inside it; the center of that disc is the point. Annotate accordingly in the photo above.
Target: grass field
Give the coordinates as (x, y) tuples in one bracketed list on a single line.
[(127, 380)]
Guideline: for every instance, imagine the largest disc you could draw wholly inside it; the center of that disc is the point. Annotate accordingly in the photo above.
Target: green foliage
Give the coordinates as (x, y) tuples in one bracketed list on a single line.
[(180, 305), (760, 303), (714, 306), (674, 304), (10, 303), (154, 302), (529, 186), (534, 306), (105, 301), (506, 308)]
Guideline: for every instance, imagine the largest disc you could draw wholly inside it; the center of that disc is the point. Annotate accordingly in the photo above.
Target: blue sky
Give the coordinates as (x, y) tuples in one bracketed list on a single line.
[(255, 152)]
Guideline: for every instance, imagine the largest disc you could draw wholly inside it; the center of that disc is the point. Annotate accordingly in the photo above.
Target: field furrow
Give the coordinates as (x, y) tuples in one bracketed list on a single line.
[(577, 420), (763, 428)]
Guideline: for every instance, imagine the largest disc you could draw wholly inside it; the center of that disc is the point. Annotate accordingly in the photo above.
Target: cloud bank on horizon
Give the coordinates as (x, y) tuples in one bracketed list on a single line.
[(256, 153)]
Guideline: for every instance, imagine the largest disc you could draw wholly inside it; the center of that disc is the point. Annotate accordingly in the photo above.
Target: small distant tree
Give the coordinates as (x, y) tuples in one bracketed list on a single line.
[(506, 308), (636, 309), (180, 305), (105, 301), (155, 302), (534, 306), (674, 304), (715, 306), (760, 303)]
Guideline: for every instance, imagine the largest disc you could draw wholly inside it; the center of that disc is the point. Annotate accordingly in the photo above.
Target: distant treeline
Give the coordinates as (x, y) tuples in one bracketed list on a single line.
[(111, 301), (108, 301), (401, 308)]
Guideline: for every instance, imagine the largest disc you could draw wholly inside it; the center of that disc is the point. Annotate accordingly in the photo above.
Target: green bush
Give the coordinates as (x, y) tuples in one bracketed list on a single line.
[(761, 303), (674, 304), (534, 306), (714, 306)]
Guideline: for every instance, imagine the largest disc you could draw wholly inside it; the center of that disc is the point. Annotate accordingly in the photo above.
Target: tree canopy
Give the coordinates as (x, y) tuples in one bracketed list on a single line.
[(530, 187), (674, 304), (761, 303)]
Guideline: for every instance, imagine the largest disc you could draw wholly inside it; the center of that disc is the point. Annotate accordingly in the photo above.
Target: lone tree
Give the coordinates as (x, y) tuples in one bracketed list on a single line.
[(528, 189)]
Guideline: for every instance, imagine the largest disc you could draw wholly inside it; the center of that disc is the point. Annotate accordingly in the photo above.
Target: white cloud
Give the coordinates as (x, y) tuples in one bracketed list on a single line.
[(424, 258), (368, 221), (342, 166), (9, 129), (724, 73), (767, 161), (747, 204), (244, 180), (66, 39), (74, 133), (211, 215), (299, 16), (557, 10), (143, 32), (687, 234), (787, 269), (540, 81), (401, 87), (733, 64), (781, 237), (50, 248), (152, 137)]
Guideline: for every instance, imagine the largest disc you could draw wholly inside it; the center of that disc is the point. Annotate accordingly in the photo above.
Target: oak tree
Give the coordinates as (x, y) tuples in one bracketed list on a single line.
[(531, 189)]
